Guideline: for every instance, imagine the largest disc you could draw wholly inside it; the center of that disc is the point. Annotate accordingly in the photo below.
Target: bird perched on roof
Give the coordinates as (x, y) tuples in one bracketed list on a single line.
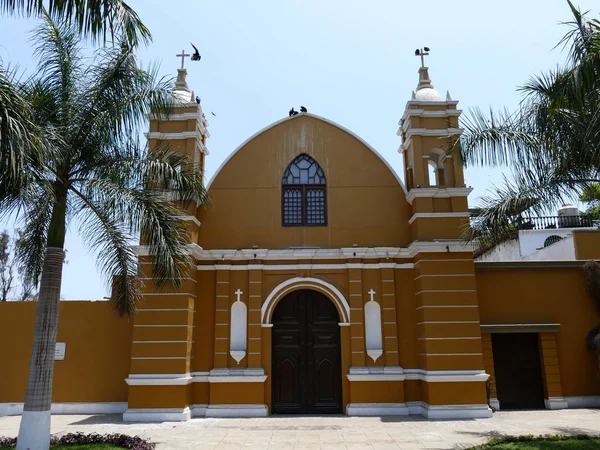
[(293, 112), (303, 109), (197, 99), (196, 55)]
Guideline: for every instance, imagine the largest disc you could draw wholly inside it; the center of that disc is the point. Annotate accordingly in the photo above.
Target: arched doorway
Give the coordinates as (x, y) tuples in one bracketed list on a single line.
[(306, 364)]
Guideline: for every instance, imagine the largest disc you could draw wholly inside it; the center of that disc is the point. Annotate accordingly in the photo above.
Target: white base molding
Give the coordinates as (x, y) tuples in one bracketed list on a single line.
[(588, 401), (450, 411), (377, 409), (198, 410), (16, 409), (494, 403), (555, 403), (237, 411), (157, 415)]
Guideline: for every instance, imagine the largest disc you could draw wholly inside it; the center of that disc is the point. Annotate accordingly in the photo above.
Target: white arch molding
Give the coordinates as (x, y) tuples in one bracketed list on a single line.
[(297, 283)]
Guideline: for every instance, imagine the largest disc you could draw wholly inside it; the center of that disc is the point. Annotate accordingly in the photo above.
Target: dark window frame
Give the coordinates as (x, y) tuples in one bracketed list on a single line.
[(304, 188)]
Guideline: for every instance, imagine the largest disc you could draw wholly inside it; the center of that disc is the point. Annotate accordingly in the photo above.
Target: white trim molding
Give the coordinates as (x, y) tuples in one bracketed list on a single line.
[(435, 192), (150, 380), (450, 411), (396, 373), (556, 403), (376, 373), (427, 113), (314, 254), (157, 415), (446, 376), (198, 410), (296, 283), (16, 409), (214, 376), (587, 401), (438, 215), (236, 411), (494, 403), (377, 409), (189, 219)]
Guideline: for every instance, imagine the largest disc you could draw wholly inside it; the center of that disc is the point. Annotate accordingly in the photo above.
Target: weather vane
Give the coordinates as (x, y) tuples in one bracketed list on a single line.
[(422, 52)]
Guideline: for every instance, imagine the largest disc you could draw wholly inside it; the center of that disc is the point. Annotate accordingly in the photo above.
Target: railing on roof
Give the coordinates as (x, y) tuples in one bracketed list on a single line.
[(550, 222)]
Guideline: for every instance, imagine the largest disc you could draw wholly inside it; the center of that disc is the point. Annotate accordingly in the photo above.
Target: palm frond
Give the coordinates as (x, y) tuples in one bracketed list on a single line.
[(98, 20), (21, 140), (115, 256), (498, 139)]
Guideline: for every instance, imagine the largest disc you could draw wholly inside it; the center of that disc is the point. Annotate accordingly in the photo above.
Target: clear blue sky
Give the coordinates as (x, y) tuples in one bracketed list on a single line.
[(350, 61)]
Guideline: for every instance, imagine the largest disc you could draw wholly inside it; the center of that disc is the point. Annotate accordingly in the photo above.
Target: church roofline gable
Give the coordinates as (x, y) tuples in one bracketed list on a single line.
[(314, 116)]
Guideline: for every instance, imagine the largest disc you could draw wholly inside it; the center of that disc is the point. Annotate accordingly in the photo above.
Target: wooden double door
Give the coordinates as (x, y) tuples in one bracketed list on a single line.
[(517, 364), (306, 364)]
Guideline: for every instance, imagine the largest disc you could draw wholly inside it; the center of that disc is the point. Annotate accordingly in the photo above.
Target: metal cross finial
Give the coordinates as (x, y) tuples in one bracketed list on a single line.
[(371, 293), (238, 293), (422, 53), (183, 55)]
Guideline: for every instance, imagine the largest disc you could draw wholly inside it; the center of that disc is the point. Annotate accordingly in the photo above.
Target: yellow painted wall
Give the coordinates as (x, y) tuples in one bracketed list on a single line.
[(97, 352), (246, 193), (587, 244), (547, 296)]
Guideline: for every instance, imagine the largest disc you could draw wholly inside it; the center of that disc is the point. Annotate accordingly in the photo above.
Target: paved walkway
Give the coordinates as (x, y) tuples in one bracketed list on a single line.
[(329, 432)]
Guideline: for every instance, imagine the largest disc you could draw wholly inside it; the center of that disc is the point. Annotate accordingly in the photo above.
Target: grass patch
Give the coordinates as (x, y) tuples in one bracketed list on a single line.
[(550, 442)]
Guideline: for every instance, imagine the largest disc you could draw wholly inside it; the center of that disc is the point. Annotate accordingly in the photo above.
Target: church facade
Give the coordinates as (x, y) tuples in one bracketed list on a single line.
[(326, 283)]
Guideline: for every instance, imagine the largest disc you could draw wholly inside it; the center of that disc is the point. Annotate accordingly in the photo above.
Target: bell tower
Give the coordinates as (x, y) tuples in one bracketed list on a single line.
[(163, 330), (447, 312), (433, 176)]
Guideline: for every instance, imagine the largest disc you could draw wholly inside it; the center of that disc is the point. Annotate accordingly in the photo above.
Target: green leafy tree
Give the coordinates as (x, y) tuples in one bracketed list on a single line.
[(95, 177), (591, 195), (551, 143)]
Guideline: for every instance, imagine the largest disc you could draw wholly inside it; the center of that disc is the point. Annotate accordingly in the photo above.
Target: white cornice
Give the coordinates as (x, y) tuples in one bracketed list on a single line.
[(427, 103), (190, 219), (437, 193), (440, 132), (437, 215), (415, 247), (426, 113), (296, 267), (348, 253), (175, 117), (177, 136)]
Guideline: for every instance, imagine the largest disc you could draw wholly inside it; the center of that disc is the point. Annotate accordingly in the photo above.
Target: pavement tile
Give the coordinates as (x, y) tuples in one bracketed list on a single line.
[(328, 432)]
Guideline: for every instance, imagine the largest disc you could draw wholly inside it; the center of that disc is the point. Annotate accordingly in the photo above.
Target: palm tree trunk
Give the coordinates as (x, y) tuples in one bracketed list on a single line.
[(34, 432)]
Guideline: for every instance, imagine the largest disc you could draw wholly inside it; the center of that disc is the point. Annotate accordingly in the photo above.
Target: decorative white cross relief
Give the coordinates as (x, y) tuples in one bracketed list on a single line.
[(371, 293), (373, 336), (239, 324)]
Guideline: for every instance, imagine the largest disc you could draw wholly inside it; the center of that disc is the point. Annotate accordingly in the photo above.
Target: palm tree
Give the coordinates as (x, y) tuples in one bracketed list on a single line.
[(93, 19), (95, 176), (552, 143)]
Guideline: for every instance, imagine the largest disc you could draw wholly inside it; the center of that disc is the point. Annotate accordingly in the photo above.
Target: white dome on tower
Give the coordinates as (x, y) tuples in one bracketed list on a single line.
[(428, 94)]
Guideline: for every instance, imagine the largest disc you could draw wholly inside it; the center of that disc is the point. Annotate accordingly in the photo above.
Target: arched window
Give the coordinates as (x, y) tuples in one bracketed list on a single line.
[(304, 194)]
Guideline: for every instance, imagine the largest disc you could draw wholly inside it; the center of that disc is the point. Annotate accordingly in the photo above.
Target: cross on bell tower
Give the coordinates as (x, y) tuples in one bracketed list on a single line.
[(183, 55), (422, 52)]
